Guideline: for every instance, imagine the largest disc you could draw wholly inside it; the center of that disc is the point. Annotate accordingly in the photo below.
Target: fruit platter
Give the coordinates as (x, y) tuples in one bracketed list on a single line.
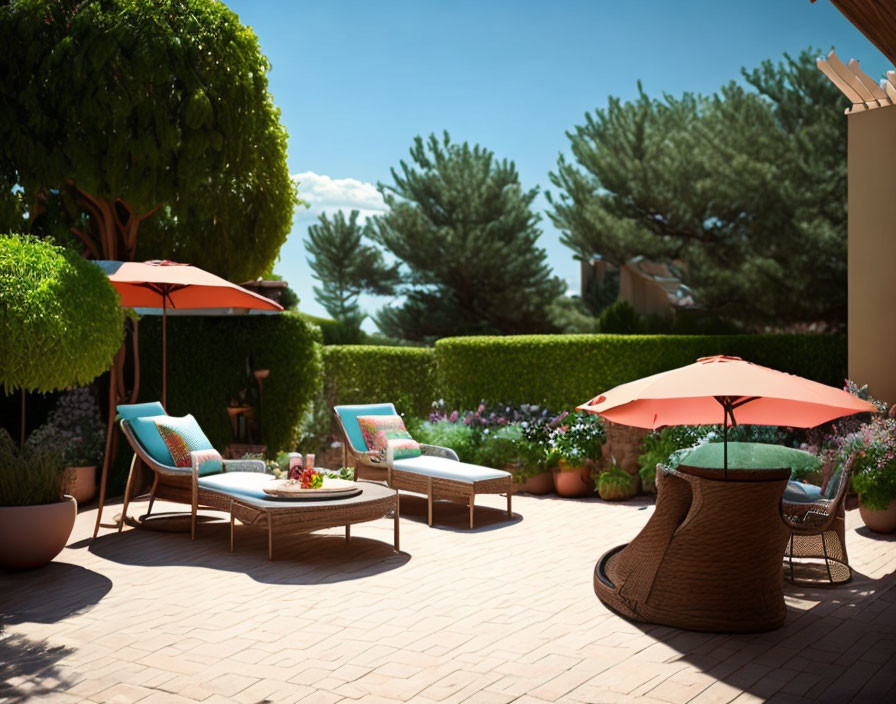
[(310, 483)]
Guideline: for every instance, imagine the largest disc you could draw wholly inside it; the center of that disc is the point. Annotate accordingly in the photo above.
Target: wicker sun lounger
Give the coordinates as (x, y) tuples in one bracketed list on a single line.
[(183, 484), (709, 558), (437, 473)]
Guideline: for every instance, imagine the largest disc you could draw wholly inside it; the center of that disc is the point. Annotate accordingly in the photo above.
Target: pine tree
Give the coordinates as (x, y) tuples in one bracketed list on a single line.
[(346, 267), (742, 193), (464, 228)]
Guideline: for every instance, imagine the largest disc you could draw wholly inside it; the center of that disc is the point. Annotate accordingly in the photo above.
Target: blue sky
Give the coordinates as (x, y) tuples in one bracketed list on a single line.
[(356, 81)]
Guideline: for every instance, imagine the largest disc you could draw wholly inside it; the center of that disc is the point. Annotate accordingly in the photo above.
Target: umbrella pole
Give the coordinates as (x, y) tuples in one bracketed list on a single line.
[(164, 354), (725, 435)]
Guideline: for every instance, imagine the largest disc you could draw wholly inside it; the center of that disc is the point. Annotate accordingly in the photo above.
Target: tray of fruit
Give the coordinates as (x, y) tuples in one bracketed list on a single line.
[(311, 484)]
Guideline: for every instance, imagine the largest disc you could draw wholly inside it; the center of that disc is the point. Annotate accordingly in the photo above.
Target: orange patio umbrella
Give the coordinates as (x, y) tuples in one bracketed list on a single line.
[(713, 388), (164, 284)]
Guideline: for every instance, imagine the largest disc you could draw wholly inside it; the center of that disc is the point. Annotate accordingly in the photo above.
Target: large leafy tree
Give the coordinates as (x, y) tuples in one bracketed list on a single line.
[(346, 267), (116, 112), (743, 193), (464, 228)]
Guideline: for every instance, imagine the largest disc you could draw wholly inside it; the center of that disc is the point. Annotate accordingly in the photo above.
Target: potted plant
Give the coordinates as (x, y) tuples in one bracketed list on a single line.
[(62, 326), (661, 446), (36, 517), (616, 484), (873, 448), (576, 446), (76, 430)]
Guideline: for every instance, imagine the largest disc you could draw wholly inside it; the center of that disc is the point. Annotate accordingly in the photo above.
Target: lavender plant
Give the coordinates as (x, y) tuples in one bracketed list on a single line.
[(74, 429)]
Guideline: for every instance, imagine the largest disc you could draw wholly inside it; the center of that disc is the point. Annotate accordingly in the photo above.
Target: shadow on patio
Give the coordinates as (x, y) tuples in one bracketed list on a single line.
[(302, 558)]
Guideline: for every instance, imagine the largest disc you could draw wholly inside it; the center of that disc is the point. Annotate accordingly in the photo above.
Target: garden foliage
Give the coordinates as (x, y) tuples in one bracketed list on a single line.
[(121, 112), (465, 232), (563, 371), (62, 322), (207, 367), (404, 376), (724, 189)]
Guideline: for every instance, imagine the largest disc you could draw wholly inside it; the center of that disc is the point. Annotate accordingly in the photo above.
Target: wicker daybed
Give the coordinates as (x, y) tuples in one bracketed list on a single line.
[(437, 473), (816, 519), (709, 558)]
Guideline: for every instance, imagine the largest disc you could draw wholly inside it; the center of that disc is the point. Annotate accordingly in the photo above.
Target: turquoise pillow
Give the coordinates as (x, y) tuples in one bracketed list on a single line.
[(148, 434), (349, 417)]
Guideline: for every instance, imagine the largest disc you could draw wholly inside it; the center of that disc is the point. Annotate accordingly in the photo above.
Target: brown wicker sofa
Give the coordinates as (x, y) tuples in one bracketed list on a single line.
[(709, 557), (437, 473)]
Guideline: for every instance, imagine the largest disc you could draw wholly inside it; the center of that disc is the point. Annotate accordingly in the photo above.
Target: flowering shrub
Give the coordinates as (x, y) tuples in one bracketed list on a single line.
[(528, 435), (74, 429)]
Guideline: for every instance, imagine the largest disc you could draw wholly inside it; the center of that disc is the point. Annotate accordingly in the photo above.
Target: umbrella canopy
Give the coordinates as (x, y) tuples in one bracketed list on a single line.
[(698, 393), (165, 284), (726, 390)]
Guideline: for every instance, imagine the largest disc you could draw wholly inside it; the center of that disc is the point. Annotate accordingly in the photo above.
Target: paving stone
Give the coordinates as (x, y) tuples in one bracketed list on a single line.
[(502, 614)]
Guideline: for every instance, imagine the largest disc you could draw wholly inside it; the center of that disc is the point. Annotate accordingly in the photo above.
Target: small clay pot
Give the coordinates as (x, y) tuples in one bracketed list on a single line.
[(879, 521), (81, 483), (539, 484), (573, 482), (31, 536)]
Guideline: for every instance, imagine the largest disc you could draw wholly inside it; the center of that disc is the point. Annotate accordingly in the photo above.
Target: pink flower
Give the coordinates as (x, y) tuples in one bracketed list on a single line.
[(453, 417)]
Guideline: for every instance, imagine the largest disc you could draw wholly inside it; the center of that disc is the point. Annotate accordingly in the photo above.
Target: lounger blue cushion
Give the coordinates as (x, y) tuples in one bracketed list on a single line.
[(140, 410), (238, 483), (442, 468), (349, 417)]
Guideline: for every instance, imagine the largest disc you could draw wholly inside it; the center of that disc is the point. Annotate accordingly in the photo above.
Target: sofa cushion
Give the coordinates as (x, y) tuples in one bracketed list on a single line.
[(348, 415), (443, 468), (799, 493)]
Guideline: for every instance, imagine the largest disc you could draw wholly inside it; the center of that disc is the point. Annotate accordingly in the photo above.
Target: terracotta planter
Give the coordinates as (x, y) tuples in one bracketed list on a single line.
[(31, 536), (573, 482), (81, 483), (879, 521), (539, 484)]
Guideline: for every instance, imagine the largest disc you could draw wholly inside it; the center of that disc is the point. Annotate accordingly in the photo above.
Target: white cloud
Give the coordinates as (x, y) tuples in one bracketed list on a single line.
[(328, 195)]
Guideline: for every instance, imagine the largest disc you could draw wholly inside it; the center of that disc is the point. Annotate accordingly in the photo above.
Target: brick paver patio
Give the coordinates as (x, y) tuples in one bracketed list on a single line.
[(505, 613)]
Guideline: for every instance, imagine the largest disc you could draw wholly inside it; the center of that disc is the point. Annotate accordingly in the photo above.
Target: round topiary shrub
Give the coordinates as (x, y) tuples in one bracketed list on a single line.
[(62, 320)]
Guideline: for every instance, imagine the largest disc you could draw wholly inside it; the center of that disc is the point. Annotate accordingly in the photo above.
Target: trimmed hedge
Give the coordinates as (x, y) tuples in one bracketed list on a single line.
[(207, 367), (405, 376), (562, 371)]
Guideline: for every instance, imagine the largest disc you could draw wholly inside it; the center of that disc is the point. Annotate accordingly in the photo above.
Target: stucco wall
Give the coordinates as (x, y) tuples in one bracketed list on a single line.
[(872, 250)]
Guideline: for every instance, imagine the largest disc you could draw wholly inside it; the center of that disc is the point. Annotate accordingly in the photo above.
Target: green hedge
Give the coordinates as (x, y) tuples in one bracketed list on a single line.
[(405, 376), (207, 367), (562, 371)]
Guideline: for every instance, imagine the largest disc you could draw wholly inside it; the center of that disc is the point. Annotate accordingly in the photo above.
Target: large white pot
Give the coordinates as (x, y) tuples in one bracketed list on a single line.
[(31, 536)]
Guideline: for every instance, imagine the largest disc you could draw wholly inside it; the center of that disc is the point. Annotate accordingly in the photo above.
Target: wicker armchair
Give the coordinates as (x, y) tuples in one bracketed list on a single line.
[(817, 525)]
